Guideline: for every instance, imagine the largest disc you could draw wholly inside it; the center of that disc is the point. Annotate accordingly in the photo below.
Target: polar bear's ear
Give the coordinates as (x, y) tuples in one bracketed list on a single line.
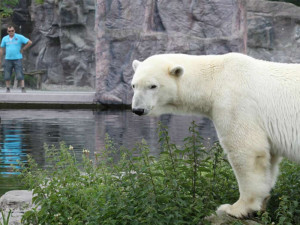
[(135, 64), (177, 71)]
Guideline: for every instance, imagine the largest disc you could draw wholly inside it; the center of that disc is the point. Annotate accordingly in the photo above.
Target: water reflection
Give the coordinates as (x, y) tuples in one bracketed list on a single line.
[(25, 132), (11, 150), (127, 129), (10, 156)]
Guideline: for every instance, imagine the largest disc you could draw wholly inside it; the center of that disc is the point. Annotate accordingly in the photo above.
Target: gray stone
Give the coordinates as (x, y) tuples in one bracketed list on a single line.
[(18, 202), (273, 31), (224, 219), (63, 41), (128, 30)]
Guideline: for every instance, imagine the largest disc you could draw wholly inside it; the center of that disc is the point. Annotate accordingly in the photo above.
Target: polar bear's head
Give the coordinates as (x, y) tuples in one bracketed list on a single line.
[(155, 86)]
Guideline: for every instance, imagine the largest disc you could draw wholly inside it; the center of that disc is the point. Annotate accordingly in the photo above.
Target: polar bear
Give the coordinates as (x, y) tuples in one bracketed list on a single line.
[(254, 105)]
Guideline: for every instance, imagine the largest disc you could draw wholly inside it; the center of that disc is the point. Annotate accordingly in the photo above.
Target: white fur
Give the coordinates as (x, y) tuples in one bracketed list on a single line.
[(254, 105)]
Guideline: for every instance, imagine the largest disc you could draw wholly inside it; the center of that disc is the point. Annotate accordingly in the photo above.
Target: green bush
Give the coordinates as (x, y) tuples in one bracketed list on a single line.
[(284, 205), (5, 218), (181, 186)]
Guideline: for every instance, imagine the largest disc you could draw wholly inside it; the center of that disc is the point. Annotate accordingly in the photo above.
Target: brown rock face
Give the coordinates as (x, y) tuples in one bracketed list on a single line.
[(128, 30)]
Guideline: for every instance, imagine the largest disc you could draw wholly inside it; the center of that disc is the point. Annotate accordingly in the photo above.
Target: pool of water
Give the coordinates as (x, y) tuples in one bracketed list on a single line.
[(26, 131)]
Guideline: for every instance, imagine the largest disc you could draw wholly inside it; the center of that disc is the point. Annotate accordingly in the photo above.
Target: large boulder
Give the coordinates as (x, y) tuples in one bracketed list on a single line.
[(224, 219), (18, 202)]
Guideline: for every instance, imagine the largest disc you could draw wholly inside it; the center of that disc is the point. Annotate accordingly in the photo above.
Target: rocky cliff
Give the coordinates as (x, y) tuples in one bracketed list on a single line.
[(128, 30), (93, 42)]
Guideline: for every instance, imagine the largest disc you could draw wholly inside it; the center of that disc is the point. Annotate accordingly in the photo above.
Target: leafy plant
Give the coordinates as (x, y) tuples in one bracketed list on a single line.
[(181, 186), (283, 207), (5, 220), (39, 1), (6, 7)]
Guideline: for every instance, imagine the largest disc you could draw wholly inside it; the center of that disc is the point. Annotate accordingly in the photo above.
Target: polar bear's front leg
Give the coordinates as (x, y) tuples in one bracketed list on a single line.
[(251, 163)]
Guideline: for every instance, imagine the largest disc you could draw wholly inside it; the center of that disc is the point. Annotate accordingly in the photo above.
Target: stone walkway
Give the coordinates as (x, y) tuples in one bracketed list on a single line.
[(47, 98)]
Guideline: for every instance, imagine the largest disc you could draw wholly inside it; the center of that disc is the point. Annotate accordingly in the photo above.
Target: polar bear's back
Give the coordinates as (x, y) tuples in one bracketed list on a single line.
[(276, 90), (268, 92)]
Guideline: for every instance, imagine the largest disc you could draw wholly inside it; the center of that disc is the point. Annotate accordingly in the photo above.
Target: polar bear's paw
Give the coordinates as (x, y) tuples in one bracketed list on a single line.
[(233, 210)]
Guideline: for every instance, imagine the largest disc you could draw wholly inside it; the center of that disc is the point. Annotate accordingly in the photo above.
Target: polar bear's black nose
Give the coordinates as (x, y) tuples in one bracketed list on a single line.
[(138, 111)]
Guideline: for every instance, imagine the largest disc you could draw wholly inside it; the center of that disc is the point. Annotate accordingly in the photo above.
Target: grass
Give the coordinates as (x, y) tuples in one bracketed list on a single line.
[(5, 219), (181, 186)]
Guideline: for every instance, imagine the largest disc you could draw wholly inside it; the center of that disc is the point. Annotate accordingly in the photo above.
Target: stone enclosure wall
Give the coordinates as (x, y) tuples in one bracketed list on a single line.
[(128, 30), (93, 42)]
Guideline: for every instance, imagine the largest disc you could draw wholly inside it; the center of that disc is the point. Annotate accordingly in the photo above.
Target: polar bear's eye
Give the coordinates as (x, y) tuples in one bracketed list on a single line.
[(153, 86), (133, 86)]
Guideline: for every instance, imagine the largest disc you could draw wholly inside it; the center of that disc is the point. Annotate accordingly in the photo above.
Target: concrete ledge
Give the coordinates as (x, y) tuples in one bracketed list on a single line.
[(48, 97), (33, 99)]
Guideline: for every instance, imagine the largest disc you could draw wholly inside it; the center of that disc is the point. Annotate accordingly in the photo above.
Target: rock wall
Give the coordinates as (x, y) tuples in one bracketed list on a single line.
[(128, 30), (80, 47), (63, 38), (273, 31)]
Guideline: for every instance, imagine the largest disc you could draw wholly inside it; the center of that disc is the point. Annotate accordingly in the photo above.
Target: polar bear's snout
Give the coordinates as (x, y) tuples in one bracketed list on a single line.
[(142, 101), (138, 103), (138, 111)]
